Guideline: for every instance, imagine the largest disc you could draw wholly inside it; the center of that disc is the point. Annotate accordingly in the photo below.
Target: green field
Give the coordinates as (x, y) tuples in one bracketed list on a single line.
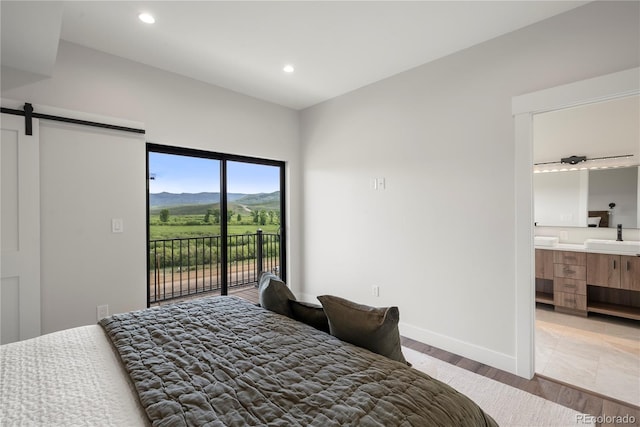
[(181, 226), (175, 231), (189, 254)]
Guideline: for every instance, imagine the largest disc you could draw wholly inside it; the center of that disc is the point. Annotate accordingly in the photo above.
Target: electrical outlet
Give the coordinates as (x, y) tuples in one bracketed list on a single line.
[(375, 290), (102, 311)]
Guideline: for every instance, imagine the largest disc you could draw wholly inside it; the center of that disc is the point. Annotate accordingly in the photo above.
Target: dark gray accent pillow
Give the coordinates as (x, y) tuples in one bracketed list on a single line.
[(274, 294), (375, 329), (311, 314)]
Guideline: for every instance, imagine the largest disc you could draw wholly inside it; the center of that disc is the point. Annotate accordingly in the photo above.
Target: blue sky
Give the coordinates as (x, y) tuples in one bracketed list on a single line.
[(183, 174)]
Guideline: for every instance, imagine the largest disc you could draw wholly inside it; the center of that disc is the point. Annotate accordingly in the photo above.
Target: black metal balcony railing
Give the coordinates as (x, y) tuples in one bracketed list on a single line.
[(187, 266)]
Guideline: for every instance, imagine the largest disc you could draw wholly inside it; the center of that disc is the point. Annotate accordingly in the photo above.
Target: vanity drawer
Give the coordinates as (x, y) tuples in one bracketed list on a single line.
[(570, 286), (577, 272), (568, 257), (573, 301)]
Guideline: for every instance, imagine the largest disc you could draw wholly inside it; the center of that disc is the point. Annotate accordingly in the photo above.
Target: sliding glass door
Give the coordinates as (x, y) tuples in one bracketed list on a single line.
[(184, 225), (253, 220), (214, 222)]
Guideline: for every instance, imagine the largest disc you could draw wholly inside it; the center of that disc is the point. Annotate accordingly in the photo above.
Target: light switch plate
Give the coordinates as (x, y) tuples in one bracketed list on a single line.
[(378, 183), (117, 225)]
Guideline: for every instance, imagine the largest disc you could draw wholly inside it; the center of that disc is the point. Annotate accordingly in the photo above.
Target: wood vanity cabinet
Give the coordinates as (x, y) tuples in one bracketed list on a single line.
[(544, 264), (544, 276), (570, 258), (579, 282), (614, 271), (604, 270), (630, 272), (569, 281)]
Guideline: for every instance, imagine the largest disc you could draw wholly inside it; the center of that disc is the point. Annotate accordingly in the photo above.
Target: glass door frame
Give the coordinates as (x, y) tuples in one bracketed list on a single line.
[(223, 159)]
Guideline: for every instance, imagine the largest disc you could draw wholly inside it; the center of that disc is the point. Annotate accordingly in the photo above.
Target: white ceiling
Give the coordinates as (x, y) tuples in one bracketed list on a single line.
[(30, 34), (335, 46)]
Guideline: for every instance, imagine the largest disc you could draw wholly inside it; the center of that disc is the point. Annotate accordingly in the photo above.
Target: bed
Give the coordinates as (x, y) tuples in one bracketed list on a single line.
[(218, 361), (598, 219)]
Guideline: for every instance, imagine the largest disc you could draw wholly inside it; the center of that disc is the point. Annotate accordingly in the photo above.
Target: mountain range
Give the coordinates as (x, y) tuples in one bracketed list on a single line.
[(164, 199)]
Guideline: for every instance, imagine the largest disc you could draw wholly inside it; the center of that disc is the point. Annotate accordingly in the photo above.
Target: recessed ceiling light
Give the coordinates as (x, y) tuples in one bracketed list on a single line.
[(288, 69), (147, 18)]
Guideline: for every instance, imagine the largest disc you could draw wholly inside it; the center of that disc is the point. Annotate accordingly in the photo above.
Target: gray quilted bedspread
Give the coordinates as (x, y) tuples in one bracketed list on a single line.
[(222, 361)]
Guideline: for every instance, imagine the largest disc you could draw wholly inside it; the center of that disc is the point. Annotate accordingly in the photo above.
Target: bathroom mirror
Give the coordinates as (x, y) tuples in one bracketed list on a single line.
[(587, 198)]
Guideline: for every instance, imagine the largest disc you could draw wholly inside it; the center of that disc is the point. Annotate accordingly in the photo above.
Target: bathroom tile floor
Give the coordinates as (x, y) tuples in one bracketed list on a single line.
[(596, 353)]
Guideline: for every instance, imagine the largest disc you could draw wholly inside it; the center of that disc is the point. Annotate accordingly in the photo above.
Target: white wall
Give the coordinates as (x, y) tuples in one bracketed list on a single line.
[(609, 128), (83, 263), (439, 240), (560, 198), (176, 111)]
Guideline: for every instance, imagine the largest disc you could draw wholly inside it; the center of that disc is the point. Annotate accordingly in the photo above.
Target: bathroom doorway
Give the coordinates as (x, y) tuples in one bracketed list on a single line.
[(568, 344)]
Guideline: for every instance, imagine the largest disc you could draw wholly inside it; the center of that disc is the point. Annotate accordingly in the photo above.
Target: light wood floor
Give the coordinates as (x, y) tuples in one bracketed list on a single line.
[(598, 353), (562, 394), (248, 292)]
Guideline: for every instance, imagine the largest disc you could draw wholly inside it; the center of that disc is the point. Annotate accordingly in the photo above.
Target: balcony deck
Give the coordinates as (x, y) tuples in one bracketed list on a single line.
[(248, 292), (183, 268)]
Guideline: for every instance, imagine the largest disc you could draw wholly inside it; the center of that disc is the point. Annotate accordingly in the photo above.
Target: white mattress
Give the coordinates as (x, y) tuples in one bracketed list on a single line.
[(67, 378)]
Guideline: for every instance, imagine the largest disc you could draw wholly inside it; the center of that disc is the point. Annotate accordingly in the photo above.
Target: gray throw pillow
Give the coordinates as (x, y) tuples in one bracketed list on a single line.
[(375, 329), (274, 294), (265, 276), (311, 314)]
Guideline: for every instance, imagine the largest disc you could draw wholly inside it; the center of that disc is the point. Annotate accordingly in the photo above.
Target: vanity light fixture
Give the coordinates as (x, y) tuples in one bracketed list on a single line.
[(573, 160), (147, 18), (605, 162)]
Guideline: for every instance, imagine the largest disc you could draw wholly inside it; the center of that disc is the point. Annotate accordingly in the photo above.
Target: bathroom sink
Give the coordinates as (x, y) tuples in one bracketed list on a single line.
[(626, 246), (545, 241)]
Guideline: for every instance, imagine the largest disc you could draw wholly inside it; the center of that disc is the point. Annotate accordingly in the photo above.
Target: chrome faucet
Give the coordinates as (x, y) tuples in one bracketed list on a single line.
[(619, 239)]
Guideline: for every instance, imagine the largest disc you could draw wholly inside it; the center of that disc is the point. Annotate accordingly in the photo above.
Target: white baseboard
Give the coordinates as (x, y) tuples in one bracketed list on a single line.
[(471, 351)]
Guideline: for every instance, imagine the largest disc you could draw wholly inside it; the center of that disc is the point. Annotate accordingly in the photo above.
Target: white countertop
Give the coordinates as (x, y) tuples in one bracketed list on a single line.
[(577, 247)]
